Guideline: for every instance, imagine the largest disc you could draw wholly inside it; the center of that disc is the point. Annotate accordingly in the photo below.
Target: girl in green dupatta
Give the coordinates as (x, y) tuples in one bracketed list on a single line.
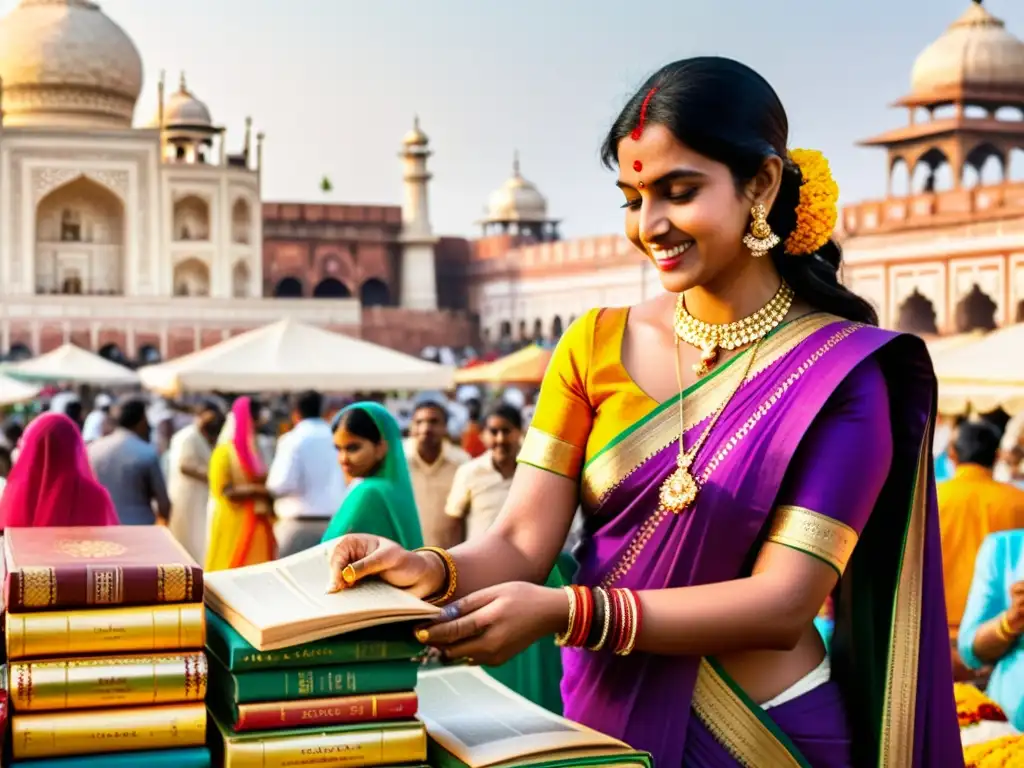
[(380, 499)]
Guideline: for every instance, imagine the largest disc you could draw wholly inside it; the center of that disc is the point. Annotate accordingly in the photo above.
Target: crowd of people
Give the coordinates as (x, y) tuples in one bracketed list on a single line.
[(237, 488)]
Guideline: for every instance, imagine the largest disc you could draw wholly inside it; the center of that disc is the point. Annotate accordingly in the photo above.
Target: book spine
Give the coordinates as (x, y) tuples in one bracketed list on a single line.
[(106, 632), (323, 682), (190, 757), (340, 652), (92, 683), (330, 750), (41, 589), (342, 710), (90, 732)]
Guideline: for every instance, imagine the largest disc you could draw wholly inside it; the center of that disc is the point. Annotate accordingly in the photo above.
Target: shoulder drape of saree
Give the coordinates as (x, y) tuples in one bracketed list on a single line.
[(660, 429)]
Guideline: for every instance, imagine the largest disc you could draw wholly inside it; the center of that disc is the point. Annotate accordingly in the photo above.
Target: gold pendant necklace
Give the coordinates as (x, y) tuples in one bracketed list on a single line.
[(711, 338), (680, 488)]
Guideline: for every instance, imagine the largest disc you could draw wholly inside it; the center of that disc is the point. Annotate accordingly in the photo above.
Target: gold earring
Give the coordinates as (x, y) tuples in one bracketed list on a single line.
[(760, 239)]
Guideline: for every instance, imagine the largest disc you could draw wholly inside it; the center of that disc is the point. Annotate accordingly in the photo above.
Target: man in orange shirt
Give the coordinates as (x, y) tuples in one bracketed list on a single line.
[(971, 506)]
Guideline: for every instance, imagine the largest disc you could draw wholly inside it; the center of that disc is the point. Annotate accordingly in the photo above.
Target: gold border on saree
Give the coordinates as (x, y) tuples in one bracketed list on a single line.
[(545, 451), (734, 725), (607, 470), (816, 534), (899, 710)]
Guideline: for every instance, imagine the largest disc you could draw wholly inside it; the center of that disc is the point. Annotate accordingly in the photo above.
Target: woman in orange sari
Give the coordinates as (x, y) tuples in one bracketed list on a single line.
[(241, 526)]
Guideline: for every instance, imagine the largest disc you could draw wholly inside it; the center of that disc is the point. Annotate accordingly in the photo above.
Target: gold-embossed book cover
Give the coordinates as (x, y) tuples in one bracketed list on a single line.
[(94, 567)]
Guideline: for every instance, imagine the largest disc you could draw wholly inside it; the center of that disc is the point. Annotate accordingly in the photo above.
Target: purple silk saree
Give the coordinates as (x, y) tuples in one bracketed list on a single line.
[(891, 688)]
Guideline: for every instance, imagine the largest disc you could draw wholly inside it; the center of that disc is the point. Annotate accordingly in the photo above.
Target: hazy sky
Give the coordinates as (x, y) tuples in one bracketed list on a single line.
[(335, 84)]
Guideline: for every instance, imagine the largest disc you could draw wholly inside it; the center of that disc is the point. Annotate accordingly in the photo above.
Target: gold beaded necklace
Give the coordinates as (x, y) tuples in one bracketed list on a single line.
[(710, 338)]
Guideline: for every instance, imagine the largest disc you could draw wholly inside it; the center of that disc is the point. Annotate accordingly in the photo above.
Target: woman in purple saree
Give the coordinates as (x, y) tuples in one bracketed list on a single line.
[(786, 459)]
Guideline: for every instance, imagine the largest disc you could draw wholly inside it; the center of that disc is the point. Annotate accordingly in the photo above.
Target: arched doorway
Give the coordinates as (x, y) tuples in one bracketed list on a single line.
[(538, 330), (331, 288), (149, 355), (240, 278), (19, 351), (191, 219), (113, 353), (374, 293), (976, 311), (556, 328), (288, 288), (191, 278), (80, 236), (241, 222), (917, 315)]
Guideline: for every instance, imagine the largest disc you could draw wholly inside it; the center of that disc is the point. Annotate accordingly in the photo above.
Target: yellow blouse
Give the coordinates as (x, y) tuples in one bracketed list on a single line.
[(587, 397)]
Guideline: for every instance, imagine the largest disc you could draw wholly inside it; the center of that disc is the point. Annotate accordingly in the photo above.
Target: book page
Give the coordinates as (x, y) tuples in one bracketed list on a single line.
[(483, 723), (294, 589)]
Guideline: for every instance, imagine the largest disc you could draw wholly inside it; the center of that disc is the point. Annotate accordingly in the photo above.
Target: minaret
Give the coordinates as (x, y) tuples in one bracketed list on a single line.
[(419, 281)]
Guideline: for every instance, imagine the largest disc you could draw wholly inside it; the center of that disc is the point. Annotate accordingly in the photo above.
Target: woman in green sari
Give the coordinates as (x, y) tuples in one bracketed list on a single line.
[(380, 499)]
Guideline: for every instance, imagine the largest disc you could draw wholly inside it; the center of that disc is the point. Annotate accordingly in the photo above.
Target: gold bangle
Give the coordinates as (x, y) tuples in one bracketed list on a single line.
[(562, 638), (451, 574), (607, 626), (634, 622), (1006, 632)]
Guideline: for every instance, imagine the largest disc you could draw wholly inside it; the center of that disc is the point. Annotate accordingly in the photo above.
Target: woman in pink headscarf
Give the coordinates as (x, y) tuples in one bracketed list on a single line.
[(52, 483), (241, 519)]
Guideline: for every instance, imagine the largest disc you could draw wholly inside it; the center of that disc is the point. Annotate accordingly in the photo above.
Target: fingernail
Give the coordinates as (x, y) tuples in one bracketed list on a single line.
[(422, 635), (348, 573), (450, 612)]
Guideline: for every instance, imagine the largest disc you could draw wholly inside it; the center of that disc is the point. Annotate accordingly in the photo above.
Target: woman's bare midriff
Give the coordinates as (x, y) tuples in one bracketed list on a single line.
[(766, 674)]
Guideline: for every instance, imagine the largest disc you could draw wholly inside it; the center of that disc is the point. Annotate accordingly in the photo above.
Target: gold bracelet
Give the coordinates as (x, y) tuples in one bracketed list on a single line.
[(607, 626), (451, 574), (1006, 633), (634, 623), (562, 638)]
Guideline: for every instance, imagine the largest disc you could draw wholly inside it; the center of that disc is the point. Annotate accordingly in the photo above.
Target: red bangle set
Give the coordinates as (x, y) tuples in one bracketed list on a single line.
[(602, 617)]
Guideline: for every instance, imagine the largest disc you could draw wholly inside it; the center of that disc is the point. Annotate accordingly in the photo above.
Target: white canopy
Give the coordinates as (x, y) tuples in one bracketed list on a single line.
[(13, 391), (292, 356), (72, 364), (986, 374)]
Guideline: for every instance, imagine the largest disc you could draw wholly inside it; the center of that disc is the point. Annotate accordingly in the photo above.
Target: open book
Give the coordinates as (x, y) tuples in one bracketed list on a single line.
[(473, 720), (285, 602)]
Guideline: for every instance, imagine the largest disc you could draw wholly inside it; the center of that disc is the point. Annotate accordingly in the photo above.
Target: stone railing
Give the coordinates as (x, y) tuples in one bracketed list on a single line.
[(979, 203)]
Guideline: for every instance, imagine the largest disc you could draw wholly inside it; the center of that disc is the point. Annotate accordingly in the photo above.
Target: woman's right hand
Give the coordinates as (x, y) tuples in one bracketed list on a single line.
[(359, 555)]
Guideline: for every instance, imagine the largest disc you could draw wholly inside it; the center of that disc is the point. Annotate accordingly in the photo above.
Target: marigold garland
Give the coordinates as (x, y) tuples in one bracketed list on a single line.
[(1004, 752), (817, 211)]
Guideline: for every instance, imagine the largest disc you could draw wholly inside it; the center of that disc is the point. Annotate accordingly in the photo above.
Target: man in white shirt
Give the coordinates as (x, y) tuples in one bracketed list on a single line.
[(305, 478)]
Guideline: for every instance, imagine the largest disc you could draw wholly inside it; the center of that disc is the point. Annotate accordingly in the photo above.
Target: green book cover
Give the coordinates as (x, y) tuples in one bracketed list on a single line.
[(389, 643), (193, 757), (314, 682)]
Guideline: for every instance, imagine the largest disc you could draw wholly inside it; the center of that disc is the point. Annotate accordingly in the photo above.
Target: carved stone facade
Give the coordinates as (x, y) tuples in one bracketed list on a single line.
[(944, 251)]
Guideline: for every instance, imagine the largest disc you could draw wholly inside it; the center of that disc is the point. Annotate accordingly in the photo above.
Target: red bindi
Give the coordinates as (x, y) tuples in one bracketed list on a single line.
[(639, 130), (638, 166)]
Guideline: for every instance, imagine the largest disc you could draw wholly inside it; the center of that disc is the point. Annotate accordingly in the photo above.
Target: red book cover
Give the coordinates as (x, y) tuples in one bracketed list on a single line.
[(340, 710), (52, 568)]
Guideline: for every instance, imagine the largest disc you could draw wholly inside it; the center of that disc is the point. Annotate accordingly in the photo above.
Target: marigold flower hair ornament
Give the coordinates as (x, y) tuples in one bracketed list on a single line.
[(818, 209)]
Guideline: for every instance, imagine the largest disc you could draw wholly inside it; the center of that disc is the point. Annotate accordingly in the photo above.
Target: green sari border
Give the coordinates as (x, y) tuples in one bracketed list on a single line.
[(661, 407), (632, 447), (752, 737)]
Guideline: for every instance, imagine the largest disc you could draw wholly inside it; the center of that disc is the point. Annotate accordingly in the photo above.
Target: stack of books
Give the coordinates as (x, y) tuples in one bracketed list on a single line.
[(104, 634), (302, 677)]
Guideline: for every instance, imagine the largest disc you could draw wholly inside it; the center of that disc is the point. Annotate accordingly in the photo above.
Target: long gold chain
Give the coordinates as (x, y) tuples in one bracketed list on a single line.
[(709, 338), (680, 488)]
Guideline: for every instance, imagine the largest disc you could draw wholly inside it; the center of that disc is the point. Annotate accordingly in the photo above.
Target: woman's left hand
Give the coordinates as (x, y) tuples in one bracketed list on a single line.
[(493, 625)]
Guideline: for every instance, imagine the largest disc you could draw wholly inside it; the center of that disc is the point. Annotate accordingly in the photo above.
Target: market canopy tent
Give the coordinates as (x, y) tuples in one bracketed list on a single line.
[(72, 365), (527, 366), (13, 391), (288, 356), (985, 374)]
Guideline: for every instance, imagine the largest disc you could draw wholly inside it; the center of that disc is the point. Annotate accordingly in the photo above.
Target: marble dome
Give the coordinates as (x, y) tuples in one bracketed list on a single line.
[(183, 110), (517, 200), (64, 63), (976, 51)]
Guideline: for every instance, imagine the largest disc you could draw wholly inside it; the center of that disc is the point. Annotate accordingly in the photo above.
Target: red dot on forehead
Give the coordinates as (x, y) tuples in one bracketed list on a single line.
[(638, 166)]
